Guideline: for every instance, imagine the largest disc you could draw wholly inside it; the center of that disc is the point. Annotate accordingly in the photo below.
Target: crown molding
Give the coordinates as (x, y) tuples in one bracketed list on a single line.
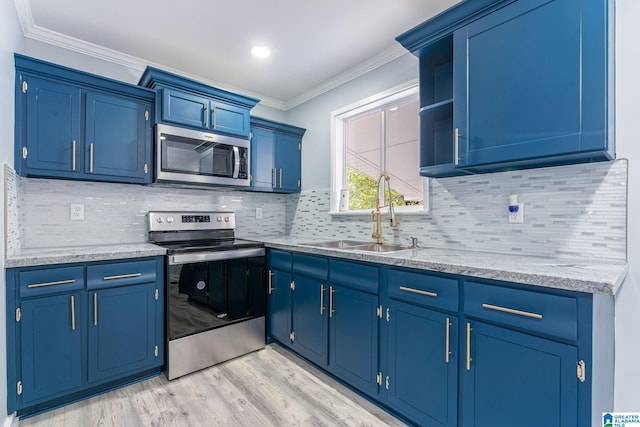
[(345, 77), (35, 32)]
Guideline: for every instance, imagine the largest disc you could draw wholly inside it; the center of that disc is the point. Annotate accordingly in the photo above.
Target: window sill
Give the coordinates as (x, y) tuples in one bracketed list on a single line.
[(367, 213)]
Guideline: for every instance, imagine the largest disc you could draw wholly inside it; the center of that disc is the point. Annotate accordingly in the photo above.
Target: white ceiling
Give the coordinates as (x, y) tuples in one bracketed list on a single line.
[(316, 44)]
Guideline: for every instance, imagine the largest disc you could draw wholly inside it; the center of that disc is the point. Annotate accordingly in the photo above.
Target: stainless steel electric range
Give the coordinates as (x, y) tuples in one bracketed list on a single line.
[(215, 289)]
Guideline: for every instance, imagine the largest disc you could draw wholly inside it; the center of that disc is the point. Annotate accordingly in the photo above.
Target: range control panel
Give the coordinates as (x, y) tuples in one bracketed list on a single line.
[(181, 221)]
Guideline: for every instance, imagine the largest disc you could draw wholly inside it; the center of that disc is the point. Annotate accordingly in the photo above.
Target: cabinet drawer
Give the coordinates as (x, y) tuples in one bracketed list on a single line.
[(311, 266), (50, 281), (120, 274), (356, 276), (535, 311), (423, 289), (280, 260)]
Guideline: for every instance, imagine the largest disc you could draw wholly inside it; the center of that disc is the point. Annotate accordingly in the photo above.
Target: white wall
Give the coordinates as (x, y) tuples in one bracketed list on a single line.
[(627, 375), (10, 41)]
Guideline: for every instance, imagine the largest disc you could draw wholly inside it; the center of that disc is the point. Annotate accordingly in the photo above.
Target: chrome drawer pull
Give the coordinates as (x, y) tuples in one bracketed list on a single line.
[(417, 291), (73, 313), (512, 311), (59, 282), (122, 276)]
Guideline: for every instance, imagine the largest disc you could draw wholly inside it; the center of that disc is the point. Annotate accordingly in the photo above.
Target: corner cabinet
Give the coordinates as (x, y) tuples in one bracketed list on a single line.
[(194, 104), (514, 84), (75, 125), (442, 350), (73, 331), (275, 156)]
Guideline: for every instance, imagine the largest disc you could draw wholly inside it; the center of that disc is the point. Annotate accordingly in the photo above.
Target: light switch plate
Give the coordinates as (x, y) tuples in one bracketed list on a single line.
[(518, 216), (258, 213)]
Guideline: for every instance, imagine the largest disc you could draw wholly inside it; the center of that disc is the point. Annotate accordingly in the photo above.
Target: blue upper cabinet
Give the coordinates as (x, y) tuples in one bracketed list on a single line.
[(275, 156), (197, 105), (75, 125), (513, 84)]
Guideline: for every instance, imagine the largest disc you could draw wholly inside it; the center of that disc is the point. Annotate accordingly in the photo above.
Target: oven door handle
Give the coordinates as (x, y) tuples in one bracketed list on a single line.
[(192, 258)]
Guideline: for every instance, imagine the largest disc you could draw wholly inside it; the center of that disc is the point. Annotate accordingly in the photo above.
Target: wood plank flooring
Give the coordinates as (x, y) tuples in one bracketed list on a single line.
[(270, 387)]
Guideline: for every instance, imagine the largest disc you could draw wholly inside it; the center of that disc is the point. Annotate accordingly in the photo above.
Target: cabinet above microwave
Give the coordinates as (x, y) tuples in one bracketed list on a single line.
[(186, 102)]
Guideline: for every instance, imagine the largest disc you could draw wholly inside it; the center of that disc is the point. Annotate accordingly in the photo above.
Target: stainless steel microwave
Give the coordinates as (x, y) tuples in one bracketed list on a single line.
[(192, 157)]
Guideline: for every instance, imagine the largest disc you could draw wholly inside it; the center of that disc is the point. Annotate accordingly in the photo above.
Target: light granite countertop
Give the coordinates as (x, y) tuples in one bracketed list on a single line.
[(591, 277), (64, 255)]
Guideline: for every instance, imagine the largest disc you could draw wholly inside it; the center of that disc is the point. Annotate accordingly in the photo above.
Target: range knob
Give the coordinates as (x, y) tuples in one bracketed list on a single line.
[(160, 220), (219, 219), (226, 219), (169, 219)]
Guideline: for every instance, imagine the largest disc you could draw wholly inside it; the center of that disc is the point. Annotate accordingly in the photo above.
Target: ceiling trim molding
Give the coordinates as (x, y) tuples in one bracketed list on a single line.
[(351, 74), (35, 32)]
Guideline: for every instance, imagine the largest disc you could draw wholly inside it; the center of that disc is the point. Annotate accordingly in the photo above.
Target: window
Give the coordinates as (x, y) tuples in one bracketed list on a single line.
[(380, 134)]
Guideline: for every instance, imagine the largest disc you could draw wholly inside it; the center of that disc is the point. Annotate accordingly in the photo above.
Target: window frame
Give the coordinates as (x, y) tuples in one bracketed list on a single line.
[(338, 147)]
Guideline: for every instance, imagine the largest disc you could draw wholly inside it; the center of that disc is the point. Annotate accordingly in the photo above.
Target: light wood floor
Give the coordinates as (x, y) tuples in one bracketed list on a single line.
[(270, 387)]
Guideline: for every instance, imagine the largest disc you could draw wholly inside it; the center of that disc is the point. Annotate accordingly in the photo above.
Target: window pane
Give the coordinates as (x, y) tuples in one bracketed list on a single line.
[(363, 160), (402, 153)]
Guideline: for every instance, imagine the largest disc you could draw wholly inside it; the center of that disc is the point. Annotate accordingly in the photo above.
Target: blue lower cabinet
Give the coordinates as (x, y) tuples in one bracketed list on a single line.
[(422, 353), (516, 377), (122, 335), (75, 330), (310, 328), (51, 346), (279, 303), (354, 337)]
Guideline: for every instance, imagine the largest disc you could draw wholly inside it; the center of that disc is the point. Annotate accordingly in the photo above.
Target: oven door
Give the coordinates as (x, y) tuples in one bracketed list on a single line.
[(210, 290), (189, 156)]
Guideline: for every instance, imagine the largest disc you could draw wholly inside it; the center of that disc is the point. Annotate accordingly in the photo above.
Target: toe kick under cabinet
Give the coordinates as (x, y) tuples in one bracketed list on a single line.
[(77, 329), (445, 350)]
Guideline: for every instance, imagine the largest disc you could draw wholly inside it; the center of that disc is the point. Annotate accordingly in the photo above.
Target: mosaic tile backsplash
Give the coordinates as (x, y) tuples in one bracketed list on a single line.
[(576, 211)]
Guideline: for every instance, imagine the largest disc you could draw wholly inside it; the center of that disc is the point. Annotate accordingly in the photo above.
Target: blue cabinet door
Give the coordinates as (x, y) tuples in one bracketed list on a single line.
[(185, 108), (280, 306), (118, 138), (229, 118), (262, 159), (51, 126), (310, 325), (287, 163), (530, 84), (51, 346), (122, 331), (354, 337), (513, 376), (423, 364)]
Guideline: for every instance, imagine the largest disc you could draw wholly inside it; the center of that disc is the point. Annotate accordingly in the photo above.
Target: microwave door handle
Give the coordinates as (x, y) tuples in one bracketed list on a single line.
[(236, 162)]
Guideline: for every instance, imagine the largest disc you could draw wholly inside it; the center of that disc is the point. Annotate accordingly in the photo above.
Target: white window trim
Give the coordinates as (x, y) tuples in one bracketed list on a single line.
[(338, 118)]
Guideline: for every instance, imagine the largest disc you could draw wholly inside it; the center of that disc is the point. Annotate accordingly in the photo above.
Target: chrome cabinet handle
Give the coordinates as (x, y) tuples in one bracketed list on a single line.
[(447, 341), (73, 155), (206, 116), (73, 313), (469, 346), (95, 309), (512, 311), (270, 282), (215, 117), (417, 291), (91, 158), (59, 282), (274, 183), (331, 310), (280, 177), (456, 155), (122, 276), (321, 299)]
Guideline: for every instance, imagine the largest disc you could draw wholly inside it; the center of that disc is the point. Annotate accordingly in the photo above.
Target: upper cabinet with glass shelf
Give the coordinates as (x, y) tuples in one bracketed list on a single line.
[(510, 84)]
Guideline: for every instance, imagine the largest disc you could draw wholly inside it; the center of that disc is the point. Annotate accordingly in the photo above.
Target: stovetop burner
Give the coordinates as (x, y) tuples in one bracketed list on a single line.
[(207, 246)]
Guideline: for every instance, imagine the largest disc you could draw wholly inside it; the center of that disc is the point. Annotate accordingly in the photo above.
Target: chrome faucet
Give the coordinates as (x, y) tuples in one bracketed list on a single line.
[(377, 233)]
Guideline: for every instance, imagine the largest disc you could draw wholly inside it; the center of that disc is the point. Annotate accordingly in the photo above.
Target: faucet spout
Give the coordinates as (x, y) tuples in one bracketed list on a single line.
[(377, 214)]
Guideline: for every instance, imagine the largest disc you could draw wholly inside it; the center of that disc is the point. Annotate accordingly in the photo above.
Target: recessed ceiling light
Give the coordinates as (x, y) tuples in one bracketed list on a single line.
[(260, 51)]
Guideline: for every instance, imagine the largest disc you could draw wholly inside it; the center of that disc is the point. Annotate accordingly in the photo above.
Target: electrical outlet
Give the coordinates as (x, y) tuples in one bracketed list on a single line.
[(258, 213), (516, 216), (77, 212)]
